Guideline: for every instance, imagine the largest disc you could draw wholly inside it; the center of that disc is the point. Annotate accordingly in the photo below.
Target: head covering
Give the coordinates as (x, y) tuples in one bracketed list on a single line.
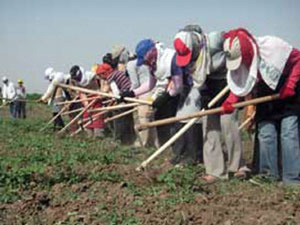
[(117, 51), (76, 73), (142, 48), (107, 58), (192, 28), (4, 79), (183, 46), (241, 61), (273, 53), (238, 48), (49, 73), (94, 68), (104, 70), (82, 77), (233, 53), (20, 81)]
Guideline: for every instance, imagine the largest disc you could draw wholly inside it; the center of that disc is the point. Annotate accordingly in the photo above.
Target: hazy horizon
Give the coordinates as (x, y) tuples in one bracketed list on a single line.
[(36, 34)]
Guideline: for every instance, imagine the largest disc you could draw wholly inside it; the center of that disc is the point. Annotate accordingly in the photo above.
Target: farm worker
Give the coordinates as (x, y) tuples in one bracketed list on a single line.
[(260, 66), (89, 80), (160, 70), (21, 100), (202, 55), (174, 83), (9, 95), (139, 75), (118, 82), (122, 56), (56, 92)]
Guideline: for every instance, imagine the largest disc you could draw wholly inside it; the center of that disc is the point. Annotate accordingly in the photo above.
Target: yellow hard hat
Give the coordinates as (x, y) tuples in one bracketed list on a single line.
[(20, 81), (94, 68)]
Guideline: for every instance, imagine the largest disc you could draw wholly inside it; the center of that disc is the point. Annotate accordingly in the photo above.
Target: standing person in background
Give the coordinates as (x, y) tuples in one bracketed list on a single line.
[(9, 96), (21, 100)]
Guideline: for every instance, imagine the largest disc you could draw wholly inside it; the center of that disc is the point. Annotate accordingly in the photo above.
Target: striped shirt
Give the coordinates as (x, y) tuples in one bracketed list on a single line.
[(121, 80)]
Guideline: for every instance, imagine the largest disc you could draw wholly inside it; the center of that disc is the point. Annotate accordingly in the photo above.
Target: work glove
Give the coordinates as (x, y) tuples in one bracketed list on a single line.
[(227, 108), (286, 92), (161, 100), (126, 94)]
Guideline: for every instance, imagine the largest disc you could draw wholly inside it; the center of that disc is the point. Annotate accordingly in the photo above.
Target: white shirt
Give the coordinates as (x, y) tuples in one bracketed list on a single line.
[(9, 91), (57, 78)]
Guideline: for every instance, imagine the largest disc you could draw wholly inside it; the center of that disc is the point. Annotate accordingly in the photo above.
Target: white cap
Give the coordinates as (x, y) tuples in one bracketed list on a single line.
[(4, 79), (183, 45), (233, 53), (48, 73)]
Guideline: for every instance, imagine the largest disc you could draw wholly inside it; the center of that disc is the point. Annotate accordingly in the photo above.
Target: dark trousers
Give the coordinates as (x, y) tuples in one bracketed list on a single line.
[(123, 128), (20, 110), (164, 132), (189, 147), (58, 122)]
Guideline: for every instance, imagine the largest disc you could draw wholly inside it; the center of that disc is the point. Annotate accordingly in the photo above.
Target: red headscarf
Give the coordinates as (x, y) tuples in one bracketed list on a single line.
[(245, 39), (104, 70)]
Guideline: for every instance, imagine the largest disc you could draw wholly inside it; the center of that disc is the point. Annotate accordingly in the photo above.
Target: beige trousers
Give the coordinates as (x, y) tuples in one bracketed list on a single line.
[(146, 114), (222, 138)]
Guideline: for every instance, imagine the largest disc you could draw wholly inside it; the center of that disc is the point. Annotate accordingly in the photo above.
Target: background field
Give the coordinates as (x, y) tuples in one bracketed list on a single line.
[(45, 179)]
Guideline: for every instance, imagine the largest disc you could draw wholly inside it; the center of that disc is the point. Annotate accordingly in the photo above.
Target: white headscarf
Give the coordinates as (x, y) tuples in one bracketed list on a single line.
[(242, 80), (86, 78), (273, 55)]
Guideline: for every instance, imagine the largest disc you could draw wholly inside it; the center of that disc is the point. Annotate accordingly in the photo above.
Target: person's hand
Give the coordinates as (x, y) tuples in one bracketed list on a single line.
[(161, 100), (126, 94), (227, 108), (286, 92), (40, 100)]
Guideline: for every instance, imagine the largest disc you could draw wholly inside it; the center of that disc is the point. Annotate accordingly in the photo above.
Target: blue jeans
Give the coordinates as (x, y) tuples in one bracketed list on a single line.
[(268, 135), (12, 109)]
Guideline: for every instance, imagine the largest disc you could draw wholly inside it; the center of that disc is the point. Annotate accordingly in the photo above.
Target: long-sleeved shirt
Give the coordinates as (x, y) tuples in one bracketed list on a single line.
[(175, 74), (118, 79), (9, 92), (137, 75), (58, 78)]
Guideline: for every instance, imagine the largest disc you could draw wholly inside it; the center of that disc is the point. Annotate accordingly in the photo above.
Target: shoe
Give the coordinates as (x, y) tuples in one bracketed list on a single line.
[(208, 179), (240, 175)]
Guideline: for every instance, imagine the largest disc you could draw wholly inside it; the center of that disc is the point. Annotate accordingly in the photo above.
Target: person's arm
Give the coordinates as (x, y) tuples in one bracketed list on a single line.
[(24, 92), (83, 96), (145, 87), (49, 92), (4, 94), (288, 89), (177, 85), (114, 88), (131, 70)]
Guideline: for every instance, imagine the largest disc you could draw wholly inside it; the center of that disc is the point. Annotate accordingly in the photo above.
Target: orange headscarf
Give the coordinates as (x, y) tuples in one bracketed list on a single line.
[(104, 70)]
